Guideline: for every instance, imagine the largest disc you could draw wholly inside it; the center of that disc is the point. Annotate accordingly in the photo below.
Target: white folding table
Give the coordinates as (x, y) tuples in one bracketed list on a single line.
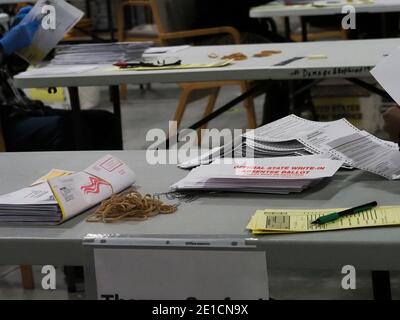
[(344, 59), (307, 10), (110, 18), (210, 216)]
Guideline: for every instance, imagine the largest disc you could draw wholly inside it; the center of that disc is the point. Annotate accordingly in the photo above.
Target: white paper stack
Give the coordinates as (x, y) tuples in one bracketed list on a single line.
[(59, 199), (289, 136), (282, 175), (294, 136), (100, 53), (30, 205)]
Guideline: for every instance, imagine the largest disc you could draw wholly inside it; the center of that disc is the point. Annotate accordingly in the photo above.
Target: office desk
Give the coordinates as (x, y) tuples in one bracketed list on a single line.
[(345, 59), (348, 58), (209, 216), (287, 11), (278, 10)]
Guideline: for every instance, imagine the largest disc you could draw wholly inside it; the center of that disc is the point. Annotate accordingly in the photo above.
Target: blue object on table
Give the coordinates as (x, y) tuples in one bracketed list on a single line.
[(21, 15), (19, 37)]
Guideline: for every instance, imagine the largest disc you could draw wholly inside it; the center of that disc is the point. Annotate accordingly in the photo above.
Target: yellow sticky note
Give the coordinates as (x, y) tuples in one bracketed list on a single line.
[(317, 56), (291, 221)]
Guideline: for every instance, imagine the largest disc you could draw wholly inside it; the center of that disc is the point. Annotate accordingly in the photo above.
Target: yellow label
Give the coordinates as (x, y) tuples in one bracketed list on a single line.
[(45, 94), (292, 221)]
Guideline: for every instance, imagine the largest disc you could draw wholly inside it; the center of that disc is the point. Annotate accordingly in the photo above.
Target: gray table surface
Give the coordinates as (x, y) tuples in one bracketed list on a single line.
[(344, 59), (271, 10), (216, 216)]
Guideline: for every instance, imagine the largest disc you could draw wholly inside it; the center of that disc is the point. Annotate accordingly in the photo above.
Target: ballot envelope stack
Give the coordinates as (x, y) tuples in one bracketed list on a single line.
[(32, 205), (104, 53), (293, 136), (282, 175), (61, 195)]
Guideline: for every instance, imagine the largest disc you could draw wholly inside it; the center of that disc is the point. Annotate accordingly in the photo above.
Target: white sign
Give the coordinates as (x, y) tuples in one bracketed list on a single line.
[(386, 73), (180, 273)]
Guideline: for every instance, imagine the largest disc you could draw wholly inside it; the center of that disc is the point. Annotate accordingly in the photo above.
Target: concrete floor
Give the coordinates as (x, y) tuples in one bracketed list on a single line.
[(149, 109), (145, 110)]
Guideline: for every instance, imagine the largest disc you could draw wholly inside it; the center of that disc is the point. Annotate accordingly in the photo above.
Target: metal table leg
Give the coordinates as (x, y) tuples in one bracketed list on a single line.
[(76, 119), (77, 122), (303, 29), (116, 100), (370, 88), (110, 20), (288, 32), (384, 32), (381, 285)]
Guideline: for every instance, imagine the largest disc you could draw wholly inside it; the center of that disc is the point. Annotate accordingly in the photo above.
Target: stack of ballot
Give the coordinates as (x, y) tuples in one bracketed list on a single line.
[(289, 136), (294, 136), (65, 195), (269, 175), (32, 205), (103, 53), (278, 221)]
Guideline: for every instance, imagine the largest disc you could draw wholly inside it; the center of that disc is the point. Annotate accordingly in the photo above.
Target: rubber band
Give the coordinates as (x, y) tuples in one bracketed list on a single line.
[(131, 206)]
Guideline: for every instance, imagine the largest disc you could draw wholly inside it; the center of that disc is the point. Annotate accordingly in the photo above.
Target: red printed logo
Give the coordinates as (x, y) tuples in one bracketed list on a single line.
[(94, 186)]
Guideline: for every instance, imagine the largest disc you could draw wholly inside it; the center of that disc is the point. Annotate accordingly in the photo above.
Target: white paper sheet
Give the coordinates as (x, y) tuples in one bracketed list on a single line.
[(36, 195), (366, 153), (387, 71), (165, 50), (45, 40), (266, 175), (285, 129), (57, 70), (317, 140)]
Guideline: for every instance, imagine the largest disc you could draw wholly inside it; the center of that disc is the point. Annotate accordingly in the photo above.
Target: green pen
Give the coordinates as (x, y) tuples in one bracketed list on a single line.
[(337, 215)]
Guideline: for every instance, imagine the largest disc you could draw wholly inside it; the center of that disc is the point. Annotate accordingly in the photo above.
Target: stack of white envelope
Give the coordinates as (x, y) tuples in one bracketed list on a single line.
[(281, 175), (61, 198), (30, 205), (103, 53)]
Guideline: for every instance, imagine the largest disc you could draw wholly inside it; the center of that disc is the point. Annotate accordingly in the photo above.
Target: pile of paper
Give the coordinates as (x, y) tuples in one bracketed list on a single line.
[(294, 136), (278, 221), (35, 204), (65, 195), (101, 53), (269, 175), (289, 136)]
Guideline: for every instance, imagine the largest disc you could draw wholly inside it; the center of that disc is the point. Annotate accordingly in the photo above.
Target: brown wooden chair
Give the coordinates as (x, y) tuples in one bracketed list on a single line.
[(26, 270), (322, 35), (170, 20)]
